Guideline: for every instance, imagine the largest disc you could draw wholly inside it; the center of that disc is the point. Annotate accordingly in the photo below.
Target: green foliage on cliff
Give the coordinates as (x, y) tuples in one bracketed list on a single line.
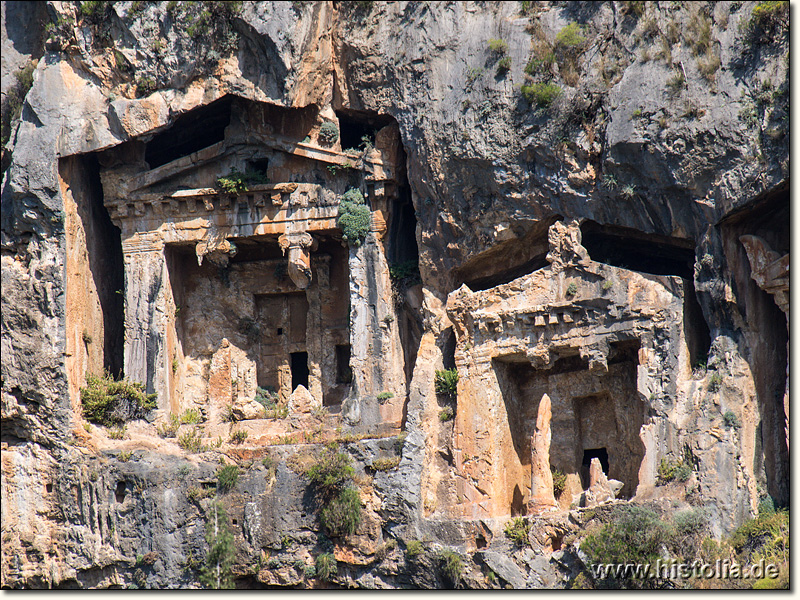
[(570, 36), (517, 530), (328, 132), (445, 382), (227, 477), (559, 481), (217, 572), (237, 182), (325, 566), (331, 471), (452, 566), (673, 470), (498, 46), (541, 94), (107, 401), (767, 20), (15, 97), (354, 217), (342, 515), (633, 534)]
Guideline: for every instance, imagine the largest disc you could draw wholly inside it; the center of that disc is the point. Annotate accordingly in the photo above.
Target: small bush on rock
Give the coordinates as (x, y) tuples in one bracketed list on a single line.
[(227, 477), (446, 382), (634, 534), (342, 515), (452, 566), (331, 471), (109, 402), (673, 470), (541, 94), (328, 133), (326, 566), (517, 530), (414, 548), (731, 420), (354, 217)]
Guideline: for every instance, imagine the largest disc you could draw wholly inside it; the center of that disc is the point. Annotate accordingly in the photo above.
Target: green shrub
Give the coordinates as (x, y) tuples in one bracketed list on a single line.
[(767, 19), (607, 285), (124, 456), (503, 65), (446, 414), (414, 548), (714, 382), (498, 46), (634, 534), (227, 477), (385, 464), (237, 182), (217, 572), (354, 217), (689, 529), (517, 530), (238, 437), (559, 481), (191, 441), (541, 94), (570, 36), (145, 85), (106, 401), (383, 396), (452, 566), (341, 515), (405, 270), (118, 432), (766, 506), (673, 470), (540, 62), (331, 471), (731, 420), (572, 289), (446, 382), (766, 536), (170, 428), (326, 566), (191, 416), (328, 133)]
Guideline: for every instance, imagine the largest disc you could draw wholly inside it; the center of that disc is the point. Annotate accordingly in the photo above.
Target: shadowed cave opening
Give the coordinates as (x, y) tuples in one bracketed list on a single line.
[(299, 365), (507, 260), (766, 331), (586, 462), (657, 255), (197, 129), (95, 272), (354, 125)]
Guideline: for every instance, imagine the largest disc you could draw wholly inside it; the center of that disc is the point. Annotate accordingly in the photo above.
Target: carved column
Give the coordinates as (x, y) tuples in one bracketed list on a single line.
[(542, 497), (299, 244)]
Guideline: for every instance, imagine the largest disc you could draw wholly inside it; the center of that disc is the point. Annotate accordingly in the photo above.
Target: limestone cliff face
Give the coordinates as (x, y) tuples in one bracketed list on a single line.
[(597, 195)]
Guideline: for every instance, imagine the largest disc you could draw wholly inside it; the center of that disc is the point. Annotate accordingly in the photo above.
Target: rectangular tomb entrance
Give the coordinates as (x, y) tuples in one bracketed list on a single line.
[(594, 415)]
